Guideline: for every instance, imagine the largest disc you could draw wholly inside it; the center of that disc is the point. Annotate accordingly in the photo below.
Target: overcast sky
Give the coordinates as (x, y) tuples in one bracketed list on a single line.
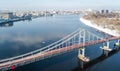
[(57, 4)]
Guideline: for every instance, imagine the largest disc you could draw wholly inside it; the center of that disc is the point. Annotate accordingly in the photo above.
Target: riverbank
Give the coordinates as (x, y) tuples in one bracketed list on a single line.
[(105, 30), (14, 20)]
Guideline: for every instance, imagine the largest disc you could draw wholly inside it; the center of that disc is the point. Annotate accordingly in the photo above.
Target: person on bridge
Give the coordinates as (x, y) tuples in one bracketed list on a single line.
[(13, 67)]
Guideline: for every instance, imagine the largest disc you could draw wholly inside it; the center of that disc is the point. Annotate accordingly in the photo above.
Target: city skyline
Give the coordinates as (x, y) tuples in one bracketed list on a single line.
[(57, 4)]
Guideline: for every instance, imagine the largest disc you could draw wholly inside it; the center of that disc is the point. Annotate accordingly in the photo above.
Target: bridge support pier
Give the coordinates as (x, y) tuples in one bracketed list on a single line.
[(81, 64), (81, 57), (106, 49), (116, 45)]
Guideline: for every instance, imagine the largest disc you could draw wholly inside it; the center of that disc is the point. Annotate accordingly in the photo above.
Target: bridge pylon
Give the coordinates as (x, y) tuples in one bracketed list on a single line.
[(106, 49)]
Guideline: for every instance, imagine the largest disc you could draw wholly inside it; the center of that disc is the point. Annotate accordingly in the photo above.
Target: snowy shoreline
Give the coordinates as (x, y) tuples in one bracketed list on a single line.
[(105, 30)]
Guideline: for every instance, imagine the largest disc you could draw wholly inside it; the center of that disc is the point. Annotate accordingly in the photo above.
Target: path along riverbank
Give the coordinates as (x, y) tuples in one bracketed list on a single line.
[(105, 30)]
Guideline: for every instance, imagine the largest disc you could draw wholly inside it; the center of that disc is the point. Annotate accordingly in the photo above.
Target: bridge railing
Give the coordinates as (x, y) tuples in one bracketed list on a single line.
[(50, 47)]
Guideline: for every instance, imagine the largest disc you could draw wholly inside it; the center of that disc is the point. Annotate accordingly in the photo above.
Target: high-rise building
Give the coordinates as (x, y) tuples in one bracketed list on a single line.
[(102, 11), (107, 11)]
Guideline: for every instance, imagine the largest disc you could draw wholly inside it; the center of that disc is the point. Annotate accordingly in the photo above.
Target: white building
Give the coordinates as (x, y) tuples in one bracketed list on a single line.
[(6, 15)]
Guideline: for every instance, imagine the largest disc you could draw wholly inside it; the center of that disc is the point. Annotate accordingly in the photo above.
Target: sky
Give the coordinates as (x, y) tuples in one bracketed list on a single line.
[(57, 4)]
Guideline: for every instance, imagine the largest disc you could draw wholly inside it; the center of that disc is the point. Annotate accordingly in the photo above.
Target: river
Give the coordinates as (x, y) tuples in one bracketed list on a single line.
[(25, 36)]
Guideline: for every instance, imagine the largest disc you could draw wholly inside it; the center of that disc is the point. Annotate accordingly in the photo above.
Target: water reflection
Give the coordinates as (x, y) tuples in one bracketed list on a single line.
[(28, 19), (10, 24), (28, 35)]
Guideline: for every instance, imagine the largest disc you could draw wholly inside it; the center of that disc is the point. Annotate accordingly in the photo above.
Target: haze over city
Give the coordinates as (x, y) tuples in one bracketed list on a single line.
[(57, 4)]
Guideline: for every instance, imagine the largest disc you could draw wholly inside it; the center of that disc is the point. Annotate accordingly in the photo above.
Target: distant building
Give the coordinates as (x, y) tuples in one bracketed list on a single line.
[(6, 15), (102, 11), (96, 11), (107, 11)]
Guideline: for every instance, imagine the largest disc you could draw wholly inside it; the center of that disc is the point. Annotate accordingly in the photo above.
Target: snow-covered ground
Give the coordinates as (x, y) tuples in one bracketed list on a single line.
[(106, 30)]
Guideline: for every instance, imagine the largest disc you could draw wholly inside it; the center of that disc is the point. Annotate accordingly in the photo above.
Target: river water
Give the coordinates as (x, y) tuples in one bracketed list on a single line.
[(25, 36)]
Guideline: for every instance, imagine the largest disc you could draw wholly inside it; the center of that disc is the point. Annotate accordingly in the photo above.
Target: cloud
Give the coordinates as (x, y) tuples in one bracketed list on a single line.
[(26, 39)]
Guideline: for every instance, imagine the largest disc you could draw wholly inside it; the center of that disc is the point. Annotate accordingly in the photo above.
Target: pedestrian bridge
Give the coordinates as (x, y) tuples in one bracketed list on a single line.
[(76, 40)]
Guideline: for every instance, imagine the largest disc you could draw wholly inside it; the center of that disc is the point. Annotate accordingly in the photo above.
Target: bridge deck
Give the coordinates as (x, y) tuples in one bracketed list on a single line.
[(52, 52)]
